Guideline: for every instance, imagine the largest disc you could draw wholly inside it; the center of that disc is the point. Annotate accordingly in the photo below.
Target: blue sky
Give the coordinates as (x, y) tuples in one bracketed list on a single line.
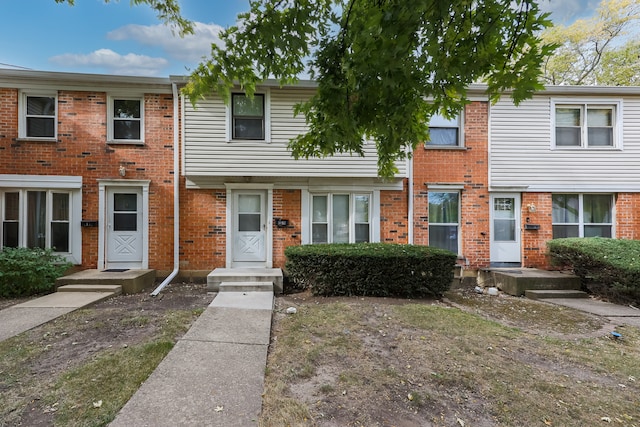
[(116, 38)]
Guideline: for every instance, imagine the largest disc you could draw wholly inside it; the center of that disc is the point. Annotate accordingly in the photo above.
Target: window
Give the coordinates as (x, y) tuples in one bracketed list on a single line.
[(340, 218), (248, 116), (445, 132), (582, 215), (38, 116), (126, 120), (36, 219), (444, 220), (585, 125)]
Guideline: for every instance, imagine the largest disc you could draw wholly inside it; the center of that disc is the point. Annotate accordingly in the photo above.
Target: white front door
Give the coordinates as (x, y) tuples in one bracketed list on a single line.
[(505, 228), (249, 232), (124, 236)]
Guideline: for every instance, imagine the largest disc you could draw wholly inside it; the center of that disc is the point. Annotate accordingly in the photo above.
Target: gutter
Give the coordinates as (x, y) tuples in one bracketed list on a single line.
[(176, 195), (410, 195)]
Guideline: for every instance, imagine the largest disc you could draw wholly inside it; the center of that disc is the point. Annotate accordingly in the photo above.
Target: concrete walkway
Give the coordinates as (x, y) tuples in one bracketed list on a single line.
[(618, 314), (214, 376), (22, 317)]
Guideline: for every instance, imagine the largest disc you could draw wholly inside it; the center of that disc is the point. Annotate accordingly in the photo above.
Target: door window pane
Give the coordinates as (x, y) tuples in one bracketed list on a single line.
[(341, 218), (36, 219), (504, 219), (249, 212), (248, 222), (125, 208)]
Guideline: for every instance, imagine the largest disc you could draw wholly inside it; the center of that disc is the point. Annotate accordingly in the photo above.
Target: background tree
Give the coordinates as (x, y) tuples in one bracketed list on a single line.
[(383, 67), (596, 51)]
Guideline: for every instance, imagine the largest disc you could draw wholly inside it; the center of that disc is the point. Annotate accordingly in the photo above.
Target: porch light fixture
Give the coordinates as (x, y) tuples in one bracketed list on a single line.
[(122, 171), (531, 207)]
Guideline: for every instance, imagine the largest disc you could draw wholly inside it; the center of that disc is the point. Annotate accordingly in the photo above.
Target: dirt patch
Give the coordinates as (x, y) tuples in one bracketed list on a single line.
[(466, 360), (71, 340)]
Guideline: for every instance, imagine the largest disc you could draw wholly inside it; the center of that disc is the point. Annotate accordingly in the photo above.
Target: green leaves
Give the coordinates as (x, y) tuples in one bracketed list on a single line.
[(382, 67)]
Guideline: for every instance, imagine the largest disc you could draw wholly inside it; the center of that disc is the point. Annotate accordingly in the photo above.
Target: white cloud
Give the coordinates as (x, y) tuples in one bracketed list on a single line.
[(189, 49), (113, 63), (566, 11)]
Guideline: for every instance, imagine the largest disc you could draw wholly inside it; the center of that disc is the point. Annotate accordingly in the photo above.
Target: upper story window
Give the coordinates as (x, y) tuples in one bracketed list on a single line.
[(248, 116), (444, 132), (582, 215), (586, 125), (126, 120), (38, 115), (340, 218)]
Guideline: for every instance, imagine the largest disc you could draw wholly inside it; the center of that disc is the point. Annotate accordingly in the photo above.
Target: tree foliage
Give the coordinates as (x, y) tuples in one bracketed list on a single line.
[(383, 67), (594, 51)]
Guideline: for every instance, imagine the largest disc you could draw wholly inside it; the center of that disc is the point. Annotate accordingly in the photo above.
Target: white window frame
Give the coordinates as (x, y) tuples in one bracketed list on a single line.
[(111, 119), (460, 133), (584, 104), (267, 118), (581, 223), (50, 184), (22, 114), (352, 210), (457, 224)]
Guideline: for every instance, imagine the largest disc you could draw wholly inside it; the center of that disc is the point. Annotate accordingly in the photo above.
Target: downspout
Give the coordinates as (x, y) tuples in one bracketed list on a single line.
[(176, 194), (410, 204)]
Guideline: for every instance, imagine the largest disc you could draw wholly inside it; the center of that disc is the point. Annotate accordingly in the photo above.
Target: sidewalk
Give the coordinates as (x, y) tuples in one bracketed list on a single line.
[(214, 375), (21, 317), (618, 314)]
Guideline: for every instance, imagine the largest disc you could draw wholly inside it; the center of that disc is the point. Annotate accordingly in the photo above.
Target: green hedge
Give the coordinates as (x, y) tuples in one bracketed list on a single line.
[(25, 272), (371, 269), (608, 267)]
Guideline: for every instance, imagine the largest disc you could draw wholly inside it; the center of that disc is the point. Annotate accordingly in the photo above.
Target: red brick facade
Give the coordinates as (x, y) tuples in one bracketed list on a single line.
[(81, 150)]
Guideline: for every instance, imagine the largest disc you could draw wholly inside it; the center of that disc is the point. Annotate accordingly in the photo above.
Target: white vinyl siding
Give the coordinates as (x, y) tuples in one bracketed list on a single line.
[(209, 152), (522, 153)]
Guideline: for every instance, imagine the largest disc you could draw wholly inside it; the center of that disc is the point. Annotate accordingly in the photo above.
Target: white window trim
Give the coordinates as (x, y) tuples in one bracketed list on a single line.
[(374, 211), (448, 189), (461, 118), (267, 119), (22, 114), (581, 222), (110, 138), (51, 184), (617, 104)]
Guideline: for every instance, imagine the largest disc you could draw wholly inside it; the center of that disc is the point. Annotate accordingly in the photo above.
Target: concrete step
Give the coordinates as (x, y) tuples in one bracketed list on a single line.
[(554, 293), (220, 275), (132, 281), (515, 281), (116, 289), (246, 287)]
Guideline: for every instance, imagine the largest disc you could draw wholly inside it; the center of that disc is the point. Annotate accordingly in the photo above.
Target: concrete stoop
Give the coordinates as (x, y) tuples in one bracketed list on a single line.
[(518, 281), (115, 289), (245, 275), (131, 281)]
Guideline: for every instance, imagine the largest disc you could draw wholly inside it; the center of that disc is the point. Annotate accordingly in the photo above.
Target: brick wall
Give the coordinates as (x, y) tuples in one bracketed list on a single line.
[(467, 167), (534, 242), (286, 205), (627, 218), (394, 226), (81, 150)]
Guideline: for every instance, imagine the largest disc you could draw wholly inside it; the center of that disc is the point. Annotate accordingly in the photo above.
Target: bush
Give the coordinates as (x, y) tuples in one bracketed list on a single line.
[(371, 269), (26, 271), (608, 267)]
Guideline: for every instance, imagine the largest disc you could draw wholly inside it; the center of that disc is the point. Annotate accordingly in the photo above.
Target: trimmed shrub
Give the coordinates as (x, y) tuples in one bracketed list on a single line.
[(371, 269), (609, 268), (25, 272)]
